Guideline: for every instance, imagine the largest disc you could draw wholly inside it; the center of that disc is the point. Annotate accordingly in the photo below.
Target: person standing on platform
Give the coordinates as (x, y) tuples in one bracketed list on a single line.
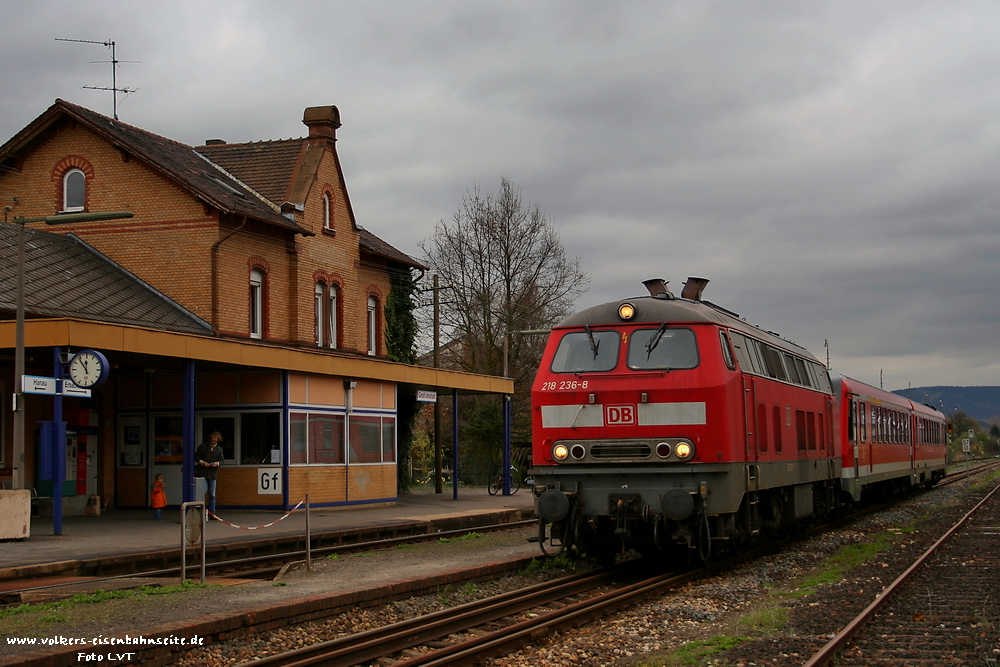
[(209, 457), (158, 497)]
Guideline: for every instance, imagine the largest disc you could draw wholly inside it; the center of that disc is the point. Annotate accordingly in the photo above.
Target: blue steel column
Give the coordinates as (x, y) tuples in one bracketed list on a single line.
[(285, 440), (454, 444), (506, 444), (58, 446), (187, 420)]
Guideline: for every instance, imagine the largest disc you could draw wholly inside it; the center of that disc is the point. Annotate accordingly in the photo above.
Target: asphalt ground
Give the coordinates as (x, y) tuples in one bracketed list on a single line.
[(122, 532)]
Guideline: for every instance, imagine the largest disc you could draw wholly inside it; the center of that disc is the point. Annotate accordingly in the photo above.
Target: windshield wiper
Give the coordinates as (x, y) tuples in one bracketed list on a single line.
[(594, 346), (654, 340)]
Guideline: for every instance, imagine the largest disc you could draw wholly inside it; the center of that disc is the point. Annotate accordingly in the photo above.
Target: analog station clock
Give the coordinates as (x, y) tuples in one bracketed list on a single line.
[(88, 369)]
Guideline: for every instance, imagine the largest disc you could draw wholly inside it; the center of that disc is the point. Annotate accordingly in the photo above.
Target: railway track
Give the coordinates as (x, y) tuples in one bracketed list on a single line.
[(468, 633), (942, 610)]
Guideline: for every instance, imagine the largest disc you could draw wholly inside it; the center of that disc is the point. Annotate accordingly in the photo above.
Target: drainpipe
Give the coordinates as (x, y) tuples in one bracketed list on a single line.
[(215, 273)]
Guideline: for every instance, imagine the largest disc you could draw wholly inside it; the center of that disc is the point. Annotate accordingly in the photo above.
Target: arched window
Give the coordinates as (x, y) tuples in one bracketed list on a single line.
[(327, 211), (320, 289), (74, 190), (256, 303), (372, 325)]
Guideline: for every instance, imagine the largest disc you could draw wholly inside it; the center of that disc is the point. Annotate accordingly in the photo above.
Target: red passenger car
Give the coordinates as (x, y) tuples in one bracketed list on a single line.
[(887, 441)]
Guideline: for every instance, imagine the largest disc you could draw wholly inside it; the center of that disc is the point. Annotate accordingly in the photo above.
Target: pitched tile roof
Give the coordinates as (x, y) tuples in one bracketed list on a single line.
[(266, 166), (65, 277), (175, 160)]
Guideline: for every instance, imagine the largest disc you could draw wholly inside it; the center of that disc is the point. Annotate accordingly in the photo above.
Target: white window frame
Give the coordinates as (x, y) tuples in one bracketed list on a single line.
[(331, 316), (372, 324), (327, 211), (256, 303), (318, 307), (67, 207)]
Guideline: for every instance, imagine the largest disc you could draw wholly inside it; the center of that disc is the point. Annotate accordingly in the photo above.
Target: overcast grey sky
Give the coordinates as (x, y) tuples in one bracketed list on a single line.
[(831, 166)]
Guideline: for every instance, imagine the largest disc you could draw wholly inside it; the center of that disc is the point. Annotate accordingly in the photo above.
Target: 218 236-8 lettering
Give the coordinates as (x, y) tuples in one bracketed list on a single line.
[(565, 384)]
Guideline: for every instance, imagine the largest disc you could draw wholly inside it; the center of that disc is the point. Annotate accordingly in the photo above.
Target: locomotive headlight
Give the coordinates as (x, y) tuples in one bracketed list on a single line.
[(560, 452), (626, 311), (663, 450), (684, 450), (578, 451)]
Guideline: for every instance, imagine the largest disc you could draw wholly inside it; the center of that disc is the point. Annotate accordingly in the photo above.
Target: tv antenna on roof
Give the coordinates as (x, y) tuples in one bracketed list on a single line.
[(114, 66)]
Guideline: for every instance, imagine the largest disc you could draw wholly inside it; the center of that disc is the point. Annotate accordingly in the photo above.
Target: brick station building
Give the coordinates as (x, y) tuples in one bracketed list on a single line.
[(242, 297)]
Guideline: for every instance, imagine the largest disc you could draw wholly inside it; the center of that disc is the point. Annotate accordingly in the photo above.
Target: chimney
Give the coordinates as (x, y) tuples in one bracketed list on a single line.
[(322, 122), (693, 288), (215, 142)]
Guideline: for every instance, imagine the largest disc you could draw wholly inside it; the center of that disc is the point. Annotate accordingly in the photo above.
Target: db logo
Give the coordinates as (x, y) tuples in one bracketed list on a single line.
[(619, 414)]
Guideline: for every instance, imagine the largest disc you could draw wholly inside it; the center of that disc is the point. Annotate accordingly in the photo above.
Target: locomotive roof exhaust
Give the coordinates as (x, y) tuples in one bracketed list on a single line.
[(658, 288), (693, 288)]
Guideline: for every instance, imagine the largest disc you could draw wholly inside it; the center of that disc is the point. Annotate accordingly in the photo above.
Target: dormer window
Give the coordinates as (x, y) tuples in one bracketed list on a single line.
[(74, 190)]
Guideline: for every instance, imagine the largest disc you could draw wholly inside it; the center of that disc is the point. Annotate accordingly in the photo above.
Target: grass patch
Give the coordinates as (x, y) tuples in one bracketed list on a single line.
[(767, 617), (839, 563), (35, 620), (405, 546), (696, 652)]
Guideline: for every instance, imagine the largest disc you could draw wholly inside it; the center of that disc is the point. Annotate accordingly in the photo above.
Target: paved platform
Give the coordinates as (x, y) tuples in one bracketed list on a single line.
[(121, 532)]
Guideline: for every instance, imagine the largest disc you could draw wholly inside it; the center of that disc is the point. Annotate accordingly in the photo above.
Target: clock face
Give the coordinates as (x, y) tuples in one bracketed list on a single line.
[(88, 368)]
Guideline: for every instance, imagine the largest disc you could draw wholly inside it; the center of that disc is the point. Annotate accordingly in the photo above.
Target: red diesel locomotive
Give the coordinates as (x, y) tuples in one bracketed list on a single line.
[(669, 424)]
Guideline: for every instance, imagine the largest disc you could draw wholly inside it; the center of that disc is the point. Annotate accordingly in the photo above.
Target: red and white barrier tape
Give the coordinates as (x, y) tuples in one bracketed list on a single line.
[(266, 525)]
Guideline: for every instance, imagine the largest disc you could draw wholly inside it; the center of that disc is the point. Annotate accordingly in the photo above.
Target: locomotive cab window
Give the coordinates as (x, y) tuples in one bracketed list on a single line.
[(586, 352), (662, 349)]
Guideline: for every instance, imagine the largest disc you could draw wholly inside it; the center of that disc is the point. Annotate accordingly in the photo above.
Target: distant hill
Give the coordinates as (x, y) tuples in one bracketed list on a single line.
[(982, 403)]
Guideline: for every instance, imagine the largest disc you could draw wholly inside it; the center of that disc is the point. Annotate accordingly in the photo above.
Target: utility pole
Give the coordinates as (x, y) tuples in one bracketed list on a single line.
[(437, 404)]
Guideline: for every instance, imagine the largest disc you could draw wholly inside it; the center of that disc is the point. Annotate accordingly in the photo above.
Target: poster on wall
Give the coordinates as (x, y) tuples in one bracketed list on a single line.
[(168, 449)]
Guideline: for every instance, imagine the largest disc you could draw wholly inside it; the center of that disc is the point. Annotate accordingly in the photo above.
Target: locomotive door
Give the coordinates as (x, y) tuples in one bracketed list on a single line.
[(750, 430), (853, 416)]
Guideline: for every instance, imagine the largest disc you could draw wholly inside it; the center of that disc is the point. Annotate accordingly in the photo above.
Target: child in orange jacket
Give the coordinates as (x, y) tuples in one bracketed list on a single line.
[(158, 497)]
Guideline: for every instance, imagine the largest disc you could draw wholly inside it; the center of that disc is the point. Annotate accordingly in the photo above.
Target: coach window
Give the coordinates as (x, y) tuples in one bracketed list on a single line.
[(863, 424), (800, 429), (74, 190)]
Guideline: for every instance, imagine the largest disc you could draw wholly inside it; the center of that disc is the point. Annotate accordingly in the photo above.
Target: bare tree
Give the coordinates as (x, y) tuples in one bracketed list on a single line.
[(508, 272)]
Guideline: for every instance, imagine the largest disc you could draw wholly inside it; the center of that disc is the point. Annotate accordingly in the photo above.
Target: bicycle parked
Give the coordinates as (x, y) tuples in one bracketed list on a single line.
[(496, 484)]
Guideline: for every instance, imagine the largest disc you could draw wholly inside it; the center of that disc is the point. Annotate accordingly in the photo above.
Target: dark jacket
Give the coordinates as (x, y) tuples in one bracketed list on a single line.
[(206, 454)]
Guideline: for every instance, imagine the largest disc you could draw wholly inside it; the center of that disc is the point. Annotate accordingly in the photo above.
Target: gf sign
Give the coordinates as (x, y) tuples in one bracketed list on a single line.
[(268, 481), (619, 415)]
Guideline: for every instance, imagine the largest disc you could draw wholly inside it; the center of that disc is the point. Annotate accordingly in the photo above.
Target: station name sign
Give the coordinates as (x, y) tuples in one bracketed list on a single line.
[(426, 396)]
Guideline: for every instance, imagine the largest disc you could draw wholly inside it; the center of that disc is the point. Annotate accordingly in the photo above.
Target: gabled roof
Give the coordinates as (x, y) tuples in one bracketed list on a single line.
[(65, 277), (177, 161), (269, 166)]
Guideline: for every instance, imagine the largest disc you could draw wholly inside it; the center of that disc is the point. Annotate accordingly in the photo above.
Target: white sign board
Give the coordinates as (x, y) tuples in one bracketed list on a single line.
[(965, 445), (426, 396), (33, 384), (269, 481), (70, 389)]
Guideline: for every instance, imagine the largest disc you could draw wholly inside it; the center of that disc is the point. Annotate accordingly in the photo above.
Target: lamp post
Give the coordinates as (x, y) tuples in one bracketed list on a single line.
[(17, 480)]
